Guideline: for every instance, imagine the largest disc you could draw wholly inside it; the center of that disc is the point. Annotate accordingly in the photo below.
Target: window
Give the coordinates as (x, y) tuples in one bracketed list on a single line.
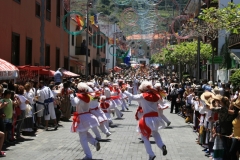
[(94, 40), (57, 58), (101, 42), (66, 64), (15, 49), (90, 41), (73, 40), (104, 48), (28, 57), (148, 48), (18, 1), (47, 55), (48, 10), (90, 29), (66, 19), (58, 13), (147, 53), (37, 9)]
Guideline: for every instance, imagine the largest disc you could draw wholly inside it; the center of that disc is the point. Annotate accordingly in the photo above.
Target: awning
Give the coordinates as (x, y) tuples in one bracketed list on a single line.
[(33, 68), (7, 70), (69, 74), (76, 63), (95, 63), (46, 72)]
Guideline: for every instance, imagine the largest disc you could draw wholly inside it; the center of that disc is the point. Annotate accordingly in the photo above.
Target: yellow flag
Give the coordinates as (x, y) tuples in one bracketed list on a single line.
[(92, 20)]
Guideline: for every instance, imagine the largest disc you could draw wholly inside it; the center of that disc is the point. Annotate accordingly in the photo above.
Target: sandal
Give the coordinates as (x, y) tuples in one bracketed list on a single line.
[(2, 154)]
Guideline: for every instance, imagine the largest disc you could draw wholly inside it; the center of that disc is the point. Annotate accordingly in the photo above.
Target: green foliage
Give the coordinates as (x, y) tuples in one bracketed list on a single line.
[(227, 18), (235, 78), (105, 2), (185, 53)]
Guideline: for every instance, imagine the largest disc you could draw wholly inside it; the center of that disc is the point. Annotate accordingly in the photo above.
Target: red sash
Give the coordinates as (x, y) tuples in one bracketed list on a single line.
[(76, 120), (138, 110), (115, 97), (145, 130), (104, 106)]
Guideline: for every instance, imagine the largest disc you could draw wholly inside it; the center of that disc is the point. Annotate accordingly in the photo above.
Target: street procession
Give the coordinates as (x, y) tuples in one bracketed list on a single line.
[(120, 79)]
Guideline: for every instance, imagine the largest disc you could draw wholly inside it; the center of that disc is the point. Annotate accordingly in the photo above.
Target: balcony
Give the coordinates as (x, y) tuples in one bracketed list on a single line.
[(81, 51), (234, 41)]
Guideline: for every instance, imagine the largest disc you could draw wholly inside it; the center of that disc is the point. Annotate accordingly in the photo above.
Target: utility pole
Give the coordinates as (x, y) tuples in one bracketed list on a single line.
[(89, 4), (198, 46), (114, 32)]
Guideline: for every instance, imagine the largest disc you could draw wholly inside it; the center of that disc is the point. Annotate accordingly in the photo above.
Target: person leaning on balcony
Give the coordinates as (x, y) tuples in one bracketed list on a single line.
[(58, 76)]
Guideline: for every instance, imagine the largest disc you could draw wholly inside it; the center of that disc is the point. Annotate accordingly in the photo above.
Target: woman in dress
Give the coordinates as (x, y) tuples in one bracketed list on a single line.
[(28, 122), (23, 106)]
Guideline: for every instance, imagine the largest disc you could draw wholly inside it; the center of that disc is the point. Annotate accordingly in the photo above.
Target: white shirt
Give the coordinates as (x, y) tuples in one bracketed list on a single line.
[(44, 93), (23, 100), (30, 96), (81, 106)]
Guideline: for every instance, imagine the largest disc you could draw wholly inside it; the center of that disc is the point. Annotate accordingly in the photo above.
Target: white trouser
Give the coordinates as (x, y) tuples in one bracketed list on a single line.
[(86, 137), (158, 141), (129, 100), (51, 113), (96, 132), (118, 113), (124, 105), (161, 115), (103, 127)]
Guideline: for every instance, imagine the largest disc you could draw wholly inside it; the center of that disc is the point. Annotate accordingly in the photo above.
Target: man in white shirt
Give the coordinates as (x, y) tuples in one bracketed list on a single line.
[(45, 105)]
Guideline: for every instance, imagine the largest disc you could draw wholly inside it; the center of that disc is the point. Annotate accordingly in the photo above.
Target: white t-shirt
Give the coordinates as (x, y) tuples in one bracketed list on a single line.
[(23, 100), (30, 96)]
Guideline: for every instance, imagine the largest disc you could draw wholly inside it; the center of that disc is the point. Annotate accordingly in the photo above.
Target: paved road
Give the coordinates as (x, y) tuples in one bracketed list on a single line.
[(123, 144)]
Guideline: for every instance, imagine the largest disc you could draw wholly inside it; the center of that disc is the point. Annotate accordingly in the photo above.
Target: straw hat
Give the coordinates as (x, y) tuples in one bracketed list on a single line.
[(215, 91), (237, 103), (206, 96), (217, 97)]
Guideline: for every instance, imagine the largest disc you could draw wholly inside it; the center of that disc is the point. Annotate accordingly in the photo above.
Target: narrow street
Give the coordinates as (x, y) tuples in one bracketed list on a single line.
[(123, 144)]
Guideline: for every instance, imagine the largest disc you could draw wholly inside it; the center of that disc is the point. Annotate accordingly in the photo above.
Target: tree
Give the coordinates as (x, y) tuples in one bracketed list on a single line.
[(235, 79), (183, 53)]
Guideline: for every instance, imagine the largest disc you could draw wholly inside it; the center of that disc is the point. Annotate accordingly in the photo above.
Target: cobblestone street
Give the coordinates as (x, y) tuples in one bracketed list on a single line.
[(123, 144)]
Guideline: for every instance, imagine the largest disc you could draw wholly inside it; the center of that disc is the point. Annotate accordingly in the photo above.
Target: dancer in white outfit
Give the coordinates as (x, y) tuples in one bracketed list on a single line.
[(96, 111), (83, 120), (110, 97), (150, 122)]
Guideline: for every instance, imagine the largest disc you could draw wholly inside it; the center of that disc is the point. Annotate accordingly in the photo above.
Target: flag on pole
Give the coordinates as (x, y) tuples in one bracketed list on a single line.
[(96, 17), (92, 20), (128, 57)]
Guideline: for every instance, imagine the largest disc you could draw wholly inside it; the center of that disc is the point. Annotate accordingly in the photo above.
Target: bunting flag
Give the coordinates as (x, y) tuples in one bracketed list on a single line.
[(96, 17), (110, 40), (79, 21), (92, 20)]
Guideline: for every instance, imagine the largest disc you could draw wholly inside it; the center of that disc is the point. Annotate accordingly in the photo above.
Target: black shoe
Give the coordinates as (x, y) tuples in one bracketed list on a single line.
[(164, 149), (127, 108), (207, 155), (204, 149)]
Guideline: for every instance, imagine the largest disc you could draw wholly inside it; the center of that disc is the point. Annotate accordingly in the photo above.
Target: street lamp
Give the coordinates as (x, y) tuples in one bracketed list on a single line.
[(89, 4)]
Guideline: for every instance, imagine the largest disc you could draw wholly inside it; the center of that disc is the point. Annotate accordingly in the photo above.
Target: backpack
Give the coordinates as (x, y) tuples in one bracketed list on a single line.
[(174, 93)]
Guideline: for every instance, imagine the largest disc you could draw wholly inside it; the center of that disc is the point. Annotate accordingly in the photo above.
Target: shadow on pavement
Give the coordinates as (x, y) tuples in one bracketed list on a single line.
[(105, 140), (119, 118), (114, 125)]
